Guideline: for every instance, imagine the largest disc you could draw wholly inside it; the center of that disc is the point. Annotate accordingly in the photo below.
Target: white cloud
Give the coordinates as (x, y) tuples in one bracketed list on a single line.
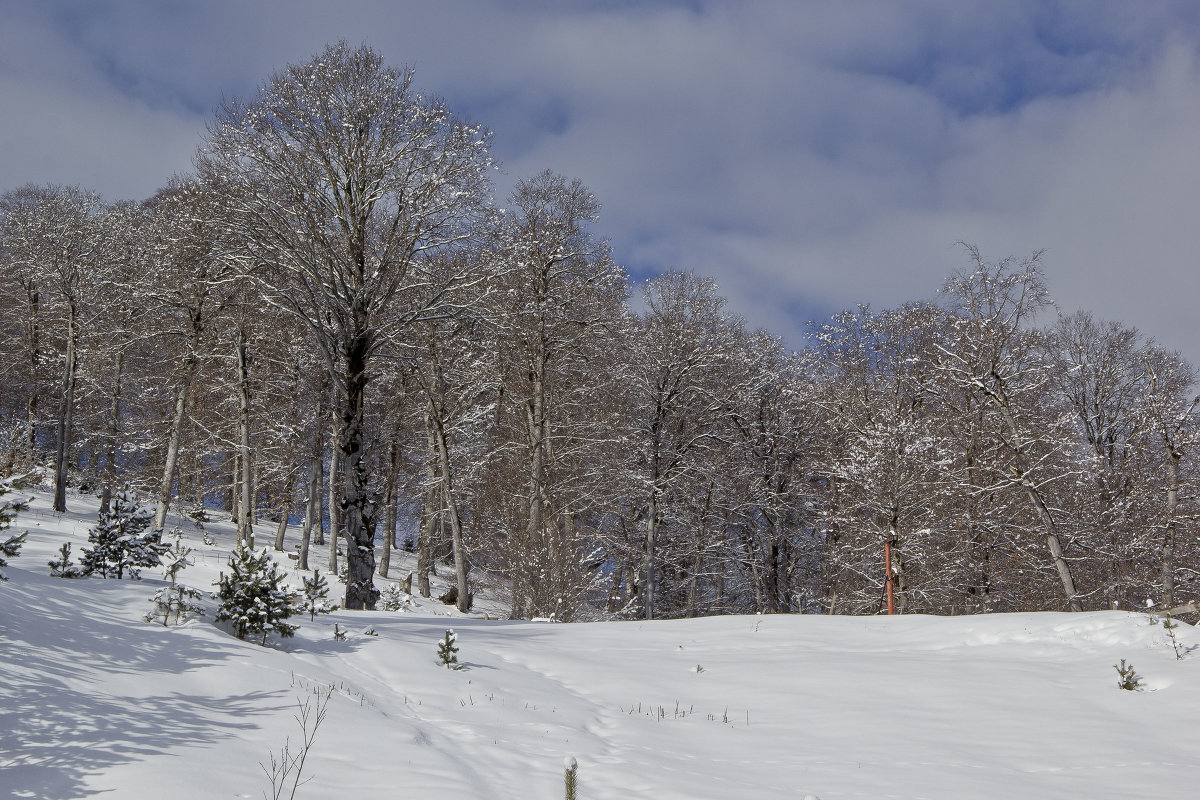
[(809, 155)]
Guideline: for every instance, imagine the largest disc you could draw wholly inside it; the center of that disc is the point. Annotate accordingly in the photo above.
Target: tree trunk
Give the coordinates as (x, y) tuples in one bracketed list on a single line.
[(245, 520), (235, 490), (389, 505), (168, 477), (1049, 527), (650, 582), (312, 514), (536, 420), (358, 507), (114, 417), (1169, 530), (335, 503), (1055, 546), (285, 507), (430, 514), (451, 505), (65, 414)]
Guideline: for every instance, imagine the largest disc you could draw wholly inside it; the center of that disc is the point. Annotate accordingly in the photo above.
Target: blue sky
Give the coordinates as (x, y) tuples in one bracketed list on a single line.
[(808, 155)]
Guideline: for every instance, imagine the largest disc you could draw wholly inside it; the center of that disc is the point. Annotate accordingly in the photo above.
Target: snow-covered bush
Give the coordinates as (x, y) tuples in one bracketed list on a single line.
[(448, 650), (316, 590), (10, 547), (253, 596), (120, 541)]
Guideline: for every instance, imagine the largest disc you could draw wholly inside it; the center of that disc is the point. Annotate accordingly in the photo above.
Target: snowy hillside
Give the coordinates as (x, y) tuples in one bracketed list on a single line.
[(96, 701)]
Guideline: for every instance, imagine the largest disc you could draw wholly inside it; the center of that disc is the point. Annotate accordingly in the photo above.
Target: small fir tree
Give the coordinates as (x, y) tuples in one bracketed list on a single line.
[(253, 596), (394, 599), (61, 567), (570, 777), (10, 547), (1129, 680), (316, 590), (198, 514), (177, 558), (174, 604), (120, 541), (448, 650), (1180, 650)]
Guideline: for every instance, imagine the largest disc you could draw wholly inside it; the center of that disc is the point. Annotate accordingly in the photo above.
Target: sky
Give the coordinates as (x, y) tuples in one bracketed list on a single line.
[(810, 156)]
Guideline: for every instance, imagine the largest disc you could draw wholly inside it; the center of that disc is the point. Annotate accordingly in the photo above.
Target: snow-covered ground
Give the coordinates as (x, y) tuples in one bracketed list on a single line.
[(95, 701)]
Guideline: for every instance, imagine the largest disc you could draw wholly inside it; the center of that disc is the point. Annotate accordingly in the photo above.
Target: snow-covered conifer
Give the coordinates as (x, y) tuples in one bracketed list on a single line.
[(177, 558), (448, 650), (8, 510), (9, 549), (316, 592), (120, 541), (394, 598), (253, 596), (173, 605), (61, 567)]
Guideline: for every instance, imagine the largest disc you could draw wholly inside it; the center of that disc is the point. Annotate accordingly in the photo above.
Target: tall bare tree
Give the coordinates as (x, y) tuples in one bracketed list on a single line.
[(342, 177), (53, 231), (995, 356), (560, 297)]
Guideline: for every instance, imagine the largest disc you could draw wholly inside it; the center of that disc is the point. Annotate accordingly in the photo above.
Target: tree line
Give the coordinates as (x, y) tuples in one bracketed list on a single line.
[(331, 321)]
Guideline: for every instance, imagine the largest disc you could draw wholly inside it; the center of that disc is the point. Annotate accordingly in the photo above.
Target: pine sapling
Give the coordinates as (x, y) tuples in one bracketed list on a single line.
[(120, 541), (1129, 680), (62, 567), (316, 592), (173, 605), (11, 547), (394, 598), (448, 650), (253, 596), (1176, 645), (199, 515), (176, 559), (570, 777)]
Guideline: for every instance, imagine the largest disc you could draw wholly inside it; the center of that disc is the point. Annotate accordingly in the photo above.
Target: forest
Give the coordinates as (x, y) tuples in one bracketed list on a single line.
[(332, 320)]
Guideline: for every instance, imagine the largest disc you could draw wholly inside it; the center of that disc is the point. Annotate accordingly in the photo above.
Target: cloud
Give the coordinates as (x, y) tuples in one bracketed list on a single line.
[(809, 155)]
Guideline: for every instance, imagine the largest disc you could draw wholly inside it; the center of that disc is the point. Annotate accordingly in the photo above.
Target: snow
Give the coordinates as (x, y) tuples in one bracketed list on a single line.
[(94, 700)]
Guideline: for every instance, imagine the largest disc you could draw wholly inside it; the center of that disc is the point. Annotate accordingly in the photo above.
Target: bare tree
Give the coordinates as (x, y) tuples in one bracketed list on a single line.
[(560, 298), (885, 442), (52, 231), (1171, 413), (994, 356), (684, 351), (342, 177)]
